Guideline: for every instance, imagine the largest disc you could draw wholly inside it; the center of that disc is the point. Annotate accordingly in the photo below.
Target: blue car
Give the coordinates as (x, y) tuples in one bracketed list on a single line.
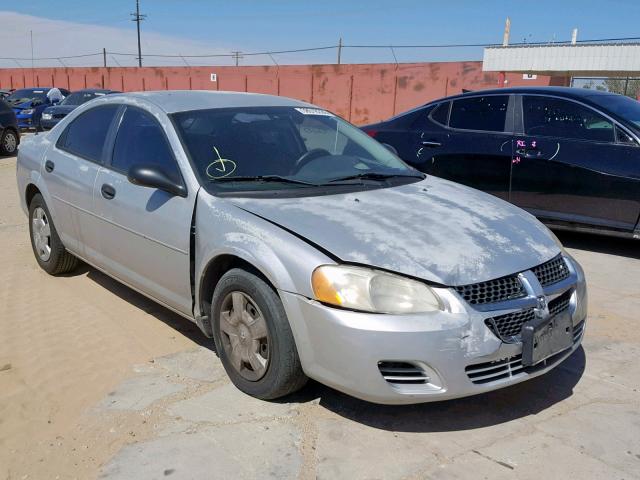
[(28, 105), (52, 115)]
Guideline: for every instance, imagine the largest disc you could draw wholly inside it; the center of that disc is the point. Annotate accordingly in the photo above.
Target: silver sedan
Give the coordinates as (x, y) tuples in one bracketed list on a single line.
[(302, 246)]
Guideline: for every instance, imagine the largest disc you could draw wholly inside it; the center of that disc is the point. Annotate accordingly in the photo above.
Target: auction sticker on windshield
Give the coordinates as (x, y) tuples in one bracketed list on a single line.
[(314, 111)]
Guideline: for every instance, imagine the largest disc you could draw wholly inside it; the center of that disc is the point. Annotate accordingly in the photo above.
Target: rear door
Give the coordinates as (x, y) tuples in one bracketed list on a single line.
[(468, 140), (70, 169), (574, 164), (144, 233)]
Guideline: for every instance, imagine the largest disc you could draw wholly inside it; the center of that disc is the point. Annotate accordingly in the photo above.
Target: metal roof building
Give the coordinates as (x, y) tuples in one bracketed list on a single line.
[(593, 60)]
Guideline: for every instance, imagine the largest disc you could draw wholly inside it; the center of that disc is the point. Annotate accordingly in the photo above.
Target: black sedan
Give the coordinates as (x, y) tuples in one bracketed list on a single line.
[(9, 132), (569, 156), (52, 115)]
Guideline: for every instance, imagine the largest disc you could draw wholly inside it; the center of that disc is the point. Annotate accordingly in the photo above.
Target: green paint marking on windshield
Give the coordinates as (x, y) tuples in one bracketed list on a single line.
[(223, 166)]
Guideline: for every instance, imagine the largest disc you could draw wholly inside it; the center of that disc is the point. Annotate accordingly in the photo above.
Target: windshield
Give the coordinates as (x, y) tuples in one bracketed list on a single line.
[(78, 98), (27, 95), (625, 107), (288, 147)]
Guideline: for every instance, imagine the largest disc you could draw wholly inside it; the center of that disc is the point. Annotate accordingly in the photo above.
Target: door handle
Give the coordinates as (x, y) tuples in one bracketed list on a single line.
[(431, 144), (49, 166), (108, 191)]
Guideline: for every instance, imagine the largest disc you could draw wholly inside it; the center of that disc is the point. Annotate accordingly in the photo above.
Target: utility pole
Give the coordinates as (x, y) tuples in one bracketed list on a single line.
[(137, 17), (339, 50), (104, 57), (237, 55), (507, 32)]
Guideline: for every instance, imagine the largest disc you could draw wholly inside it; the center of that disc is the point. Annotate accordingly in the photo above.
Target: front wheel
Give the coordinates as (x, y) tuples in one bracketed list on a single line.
[(50, 254), (253, 337)]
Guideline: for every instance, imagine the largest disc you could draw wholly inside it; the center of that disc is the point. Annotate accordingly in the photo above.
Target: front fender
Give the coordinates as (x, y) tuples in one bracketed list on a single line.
[(223, 229)]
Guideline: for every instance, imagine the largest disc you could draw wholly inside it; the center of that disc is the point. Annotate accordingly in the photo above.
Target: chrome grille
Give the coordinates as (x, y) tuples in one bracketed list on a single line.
[(498, 290), (552, 271), (512, 367), (509, 325), (403, 373), (559, 304)]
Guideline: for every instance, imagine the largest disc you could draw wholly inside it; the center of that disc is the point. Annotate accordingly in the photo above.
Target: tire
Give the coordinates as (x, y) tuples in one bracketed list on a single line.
[(50, 254), (282, 373), (8, 142)]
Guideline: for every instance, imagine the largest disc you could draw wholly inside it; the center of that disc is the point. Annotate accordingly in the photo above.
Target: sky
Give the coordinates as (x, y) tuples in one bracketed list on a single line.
[(202, 27)]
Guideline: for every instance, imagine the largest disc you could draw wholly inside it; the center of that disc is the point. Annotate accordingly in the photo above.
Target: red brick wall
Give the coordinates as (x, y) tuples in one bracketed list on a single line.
[(360, 93)]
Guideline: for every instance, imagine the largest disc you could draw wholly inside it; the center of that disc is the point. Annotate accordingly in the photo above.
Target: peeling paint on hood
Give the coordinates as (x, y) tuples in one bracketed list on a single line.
[(436, 230)]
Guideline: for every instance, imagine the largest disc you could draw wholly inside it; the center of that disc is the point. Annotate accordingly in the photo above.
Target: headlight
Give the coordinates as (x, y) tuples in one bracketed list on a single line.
[(27, 111), (371, 290), (47, 116)]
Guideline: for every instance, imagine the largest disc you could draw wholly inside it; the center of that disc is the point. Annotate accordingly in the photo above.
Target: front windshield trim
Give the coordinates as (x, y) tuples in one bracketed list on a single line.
[(196, 126)]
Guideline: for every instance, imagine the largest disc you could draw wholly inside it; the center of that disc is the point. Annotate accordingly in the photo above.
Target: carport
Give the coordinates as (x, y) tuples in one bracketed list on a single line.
[(570, 61)]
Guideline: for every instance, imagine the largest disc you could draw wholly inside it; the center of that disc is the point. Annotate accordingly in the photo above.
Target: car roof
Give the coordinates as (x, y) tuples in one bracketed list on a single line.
[(172, 101), (569, 92), (93, 90)]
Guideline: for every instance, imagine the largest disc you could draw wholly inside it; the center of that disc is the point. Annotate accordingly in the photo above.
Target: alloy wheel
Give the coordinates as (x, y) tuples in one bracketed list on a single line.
[(10, 142)]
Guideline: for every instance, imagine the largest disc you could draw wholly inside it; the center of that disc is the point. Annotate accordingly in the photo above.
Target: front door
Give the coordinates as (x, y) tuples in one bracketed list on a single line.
[(471, 145), (144, 232), (571, 165)]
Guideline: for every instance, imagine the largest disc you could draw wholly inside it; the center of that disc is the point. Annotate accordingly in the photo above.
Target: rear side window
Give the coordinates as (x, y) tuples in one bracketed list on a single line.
[(480, 113), (441, 113), (141, 141), (554, 117), (86, 134)]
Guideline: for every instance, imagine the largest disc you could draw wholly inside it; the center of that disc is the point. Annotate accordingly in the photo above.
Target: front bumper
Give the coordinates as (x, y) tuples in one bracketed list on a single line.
[(48, 124), (454, 351), (25, 121)]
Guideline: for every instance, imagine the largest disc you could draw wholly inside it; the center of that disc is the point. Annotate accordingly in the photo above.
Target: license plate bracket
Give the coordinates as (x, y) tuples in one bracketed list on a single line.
[(544, 337)]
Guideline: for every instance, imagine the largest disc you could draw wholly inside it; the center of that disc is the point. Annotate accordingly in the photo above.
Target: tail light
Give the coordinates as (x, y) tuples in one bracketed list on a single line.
[(372, 133)]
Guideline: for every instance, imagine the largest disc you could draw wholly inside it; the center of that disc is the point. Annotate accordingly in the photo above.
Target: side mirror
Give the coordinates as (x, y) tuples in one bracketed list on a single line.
[(154, 177)]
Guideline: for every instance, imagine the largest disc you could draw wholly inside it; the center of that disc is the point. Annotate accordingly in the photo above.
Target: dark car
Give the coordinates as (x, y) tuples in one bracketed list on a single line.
[(29, 103), (569, 156), (52, 115), (5, 93), (9, 132)]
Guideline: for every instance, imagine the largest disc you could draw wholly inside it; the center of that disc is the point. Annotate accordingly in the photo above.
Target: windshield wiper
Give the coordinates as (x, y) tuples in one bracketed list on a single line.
[(374, 176), (263, 178)]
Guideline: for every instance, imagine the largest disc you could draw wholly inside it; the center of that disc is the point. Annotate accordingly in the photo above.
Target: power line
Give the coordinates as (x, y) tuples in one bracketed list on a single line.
[(239, 54)]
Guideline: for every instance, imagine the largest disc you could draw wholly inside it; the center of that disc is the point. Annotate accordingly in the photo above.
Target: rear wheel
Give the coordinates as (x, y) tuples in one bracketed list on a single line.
[(253, 337), (50, 254), (8, 142)]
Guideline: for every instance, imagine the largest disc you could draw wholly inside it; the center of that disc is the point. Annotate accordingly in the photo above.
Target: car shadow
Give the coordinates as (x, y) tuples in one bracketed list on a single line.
[(178, 323), (492, 408), (622, 247)]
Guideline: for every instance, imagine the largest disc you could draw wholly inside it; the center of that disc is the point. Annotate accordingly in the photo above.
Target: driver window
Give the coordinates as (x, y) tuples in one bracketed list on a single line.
[(141, 141), (553, 117)]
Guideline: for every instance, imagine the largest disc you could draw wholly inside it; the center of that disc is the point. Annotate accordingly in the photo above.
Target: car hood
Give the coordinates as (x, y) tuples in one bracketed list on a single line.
[(434, 229), (66, 109), (21, 106)]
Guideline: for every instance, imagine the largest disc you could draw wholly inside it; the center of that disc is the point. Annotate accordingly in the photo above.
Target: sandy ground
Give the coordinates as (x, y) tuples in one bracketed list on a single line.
[(97, 381)]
